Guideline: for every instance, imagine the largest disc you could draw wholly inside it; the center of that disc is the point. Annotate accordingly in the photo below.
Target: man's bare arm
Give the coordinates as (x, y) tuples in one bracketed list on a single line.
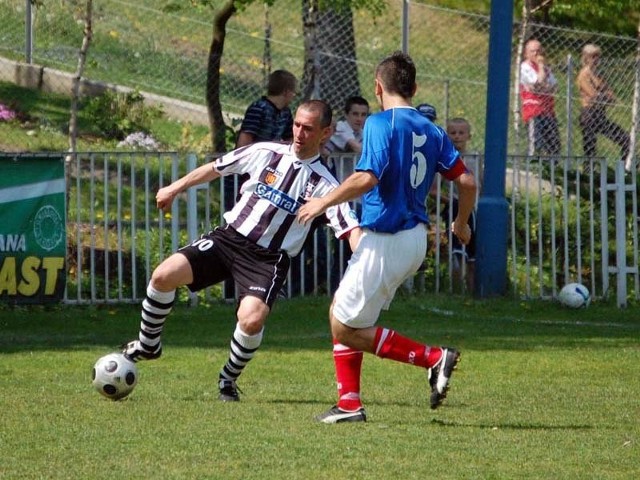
[(466, 185), (202, 174)]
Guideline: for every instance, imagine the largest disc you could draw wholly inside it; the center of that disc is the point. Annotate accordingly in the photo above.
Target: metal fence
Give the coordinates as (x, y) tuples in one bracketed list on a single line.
[(571, 220), (139, 45)]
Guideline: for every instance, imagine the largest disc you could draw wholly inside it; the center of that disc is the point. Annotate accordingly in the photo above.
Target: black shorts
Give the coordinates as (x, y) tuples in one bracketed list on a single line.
[(224, 254)]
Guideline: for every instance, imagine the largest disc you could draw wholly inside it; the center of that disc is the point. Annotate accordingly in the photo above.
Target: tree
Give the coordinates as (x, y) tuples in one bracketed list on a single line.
[(316, 82), (619, 17), (82, 58), (635, 109), (221, 17), (330, 68), (216, 49), (525, 27)]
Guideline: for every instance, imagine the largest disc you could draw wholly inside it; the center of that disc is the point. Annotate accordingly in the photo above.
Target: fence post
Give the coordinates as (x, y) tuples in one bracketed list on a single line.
[(175, 211), (192, 214), (192, 202), (405, 26), (492, 216), (631, 164), (621, 234), (604, 227), (569, 105), (28, 28), (447, 98)]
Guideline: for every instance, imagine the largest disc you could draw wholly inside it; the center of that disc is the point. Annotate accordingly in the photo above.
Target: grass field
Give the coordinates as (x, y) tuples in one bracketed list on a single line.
[(541, 392)]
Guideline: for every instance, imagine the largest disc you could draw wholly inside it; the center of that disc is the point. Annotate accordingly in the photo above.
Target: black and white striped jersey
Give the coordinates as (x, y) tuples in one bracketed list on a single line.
[(270, 198)]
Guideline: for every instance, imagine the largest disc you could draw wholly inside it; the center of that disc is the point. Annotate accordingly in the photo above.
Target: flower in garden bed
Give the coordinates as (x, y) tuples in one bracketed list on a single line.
[(6, 114), (140, 140)]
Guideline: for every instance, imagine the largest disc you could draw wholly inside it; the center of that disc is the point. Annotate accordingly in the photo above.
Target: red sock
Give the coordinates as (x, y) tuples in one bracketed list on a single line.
[(390, 344), (348, 363)]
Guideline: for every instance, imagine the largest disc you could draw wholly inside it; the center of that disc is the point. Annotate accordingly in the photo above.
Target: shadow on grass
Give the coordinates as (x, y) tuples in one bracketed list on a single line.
[(301, 324), (509, 426)]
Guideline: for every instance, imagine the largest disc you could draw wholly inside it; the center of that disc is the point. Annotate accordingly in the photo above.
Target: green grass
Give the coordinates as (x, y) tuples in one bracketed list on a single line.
[(44, 124), (140, 45), (542, 392)]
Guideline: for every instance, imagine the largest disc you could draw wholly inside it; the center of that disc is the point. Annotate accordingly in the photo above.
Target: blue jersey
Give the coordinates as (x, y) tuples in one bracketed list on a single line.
[(404, 151)]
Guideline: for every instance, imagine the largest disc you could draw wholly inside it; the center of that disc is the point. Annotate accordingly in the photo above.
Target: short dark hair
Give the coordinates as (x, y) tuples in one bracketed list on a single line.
[(397, 73), (354, 100), (427, 110), (320, 106), (281, 81)]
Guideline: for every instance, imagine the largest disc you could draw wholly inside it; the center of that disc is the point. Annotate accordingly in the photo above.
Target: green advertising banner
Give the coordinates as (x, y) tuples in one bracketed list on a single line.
[(32, 229)]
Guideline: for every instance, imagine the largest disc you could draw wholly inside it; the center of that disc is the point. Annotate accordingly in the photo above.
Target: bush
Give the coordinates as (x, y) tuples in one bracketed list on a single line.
[(116, 115)]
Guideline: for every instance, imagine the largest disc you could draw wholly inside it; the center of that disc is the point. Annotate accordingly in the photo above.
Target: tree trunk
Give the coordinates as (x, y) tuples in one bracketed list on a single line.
[(635, 111), (310, 87), (543, 6), (214, 109), (75, 91), (525, 29), (330, 71)]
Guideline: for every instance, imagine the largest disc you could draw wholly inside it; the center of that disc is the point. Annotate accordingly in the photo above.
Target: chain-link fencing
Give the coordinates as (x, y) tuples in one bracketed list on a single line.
[(138, 45)]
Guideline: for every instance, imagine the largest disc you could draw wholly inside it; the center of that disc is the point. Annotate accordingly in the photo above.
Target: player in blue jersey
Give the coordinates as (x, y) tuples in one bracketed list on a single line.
[(401, 153), (255, 245)]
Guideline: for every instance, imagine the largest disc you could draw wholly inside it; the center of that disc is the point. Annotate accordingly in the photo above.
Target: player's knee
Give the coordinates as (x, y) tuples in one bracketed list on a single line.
[(170, 274), (251, 325), (161, 279), (252, 313), (339, 331)]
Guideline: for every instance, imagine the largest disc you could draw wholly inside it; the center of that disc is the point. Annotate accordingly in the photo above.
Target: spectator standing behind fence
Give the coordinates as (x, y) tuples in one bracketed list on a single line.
[(537, 90), (269, 118), (255, 246), (595, 96), (429, 111), (464, 256), (348, 132)]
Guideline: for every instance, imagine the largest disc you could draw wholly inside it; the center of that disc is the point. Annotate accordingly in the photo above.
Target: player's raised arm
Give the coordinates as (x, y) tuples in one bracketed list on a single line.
[(204, 173)]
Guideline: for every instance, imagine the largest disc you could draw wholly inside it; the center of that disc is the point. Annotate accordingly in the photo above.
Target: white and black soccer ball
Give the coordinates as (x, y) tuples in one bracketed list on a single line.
[(114, 376), (574, 295)]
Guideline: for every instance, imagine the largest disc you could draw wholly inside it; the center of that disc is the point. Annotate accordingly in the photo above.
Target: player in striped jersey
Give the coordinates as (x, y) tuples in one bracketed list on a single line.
[(401, 153), (255, 245)]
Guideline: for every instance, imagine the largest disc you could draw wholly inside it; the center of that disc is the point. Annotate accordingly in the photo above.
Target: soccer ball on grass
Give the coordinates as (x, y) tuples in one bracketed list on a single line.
[(575, 295), (114, 376)]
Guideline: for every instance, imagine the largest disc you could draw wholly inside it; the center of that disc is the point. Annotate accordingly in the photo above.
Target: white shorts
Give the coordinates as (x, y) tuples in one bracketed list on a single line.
[(381, 262)]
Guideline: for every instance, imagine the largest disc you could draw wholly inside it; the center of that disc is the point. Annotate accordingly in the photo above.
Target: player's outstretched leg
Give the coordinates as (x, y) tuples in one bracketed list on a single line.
[(155, 308), (242, 349), (439, 361), (440, 374)]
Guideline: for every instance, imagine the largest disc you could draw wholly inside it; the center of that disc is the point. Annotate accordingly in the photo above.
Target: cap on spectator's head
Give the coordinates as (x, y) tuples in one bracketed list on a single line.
[(428, 111)]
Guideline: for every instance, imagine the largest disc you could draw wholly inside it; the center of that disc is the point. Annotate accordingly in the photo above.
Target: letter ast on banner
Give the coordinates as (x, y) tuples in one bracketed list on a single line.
[(32, 229)]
